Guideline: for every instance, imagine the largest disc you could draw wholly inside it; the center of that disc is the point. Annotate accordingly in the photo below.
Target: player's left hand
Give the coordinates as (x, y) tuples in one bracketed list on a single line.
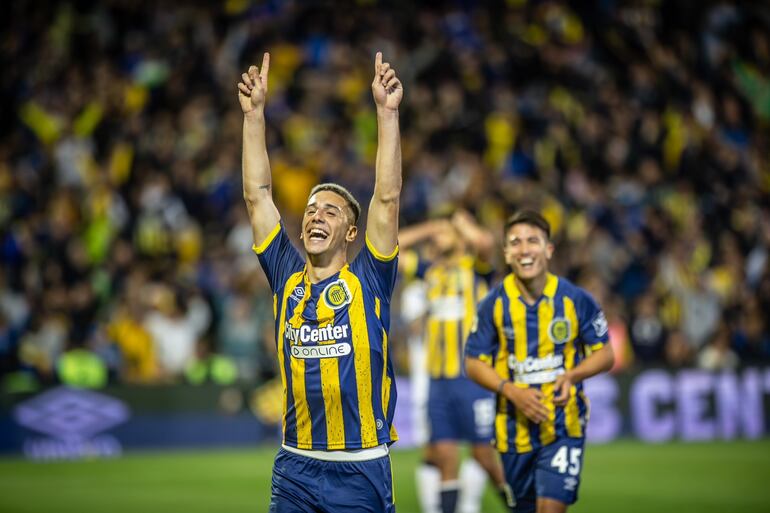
[(386, 87), (561, 388)]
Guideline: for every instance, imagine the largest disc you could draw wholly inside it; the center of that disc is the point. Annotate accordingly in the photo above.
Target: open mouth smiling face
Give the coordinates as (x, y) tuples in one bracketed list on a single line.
[(527, 251), (325, 222)]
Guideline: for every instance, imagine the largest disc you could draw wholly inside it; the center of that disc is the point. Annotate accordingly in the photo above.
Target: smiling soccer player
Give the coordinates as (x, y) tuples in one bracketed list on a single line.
[(531, 345), (331, 317)]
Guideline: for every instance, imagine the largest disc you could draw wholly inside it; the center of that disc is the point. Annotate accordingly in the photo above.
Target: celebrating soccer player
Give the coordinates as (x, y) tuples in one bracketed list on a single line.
[(331, 317), (458, 409), (537, 337)]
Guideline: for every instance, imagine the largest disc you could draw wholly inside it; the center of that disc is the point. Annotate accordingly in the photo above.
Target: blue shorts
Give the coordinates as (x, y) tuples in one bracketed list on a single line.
[(301, 484), (460, 409), (552, 472)]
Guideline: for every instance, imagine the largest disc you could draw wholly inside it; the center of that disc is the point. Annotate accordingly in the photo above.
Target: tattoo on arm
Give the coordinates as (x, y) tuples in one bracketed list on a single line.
[(267, 187)]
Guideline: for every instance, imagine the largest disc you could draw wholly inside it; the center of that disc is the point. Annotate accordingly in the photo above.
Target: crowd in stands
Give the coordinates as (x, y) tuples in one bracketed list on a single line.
[(641, 130)]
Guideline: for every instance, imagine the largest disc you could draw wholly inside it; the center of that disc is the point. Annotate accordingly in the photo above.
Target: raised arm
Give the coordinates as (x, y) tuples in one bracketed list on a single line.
[(478, 237), (414, 234), (382, 221), (257, 185)]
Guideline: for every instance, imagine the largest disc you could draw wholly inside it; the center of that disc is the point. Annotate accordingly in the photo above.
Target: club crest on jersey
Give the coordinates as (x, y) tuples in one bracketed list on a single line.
[(559, 330), (336, 294)]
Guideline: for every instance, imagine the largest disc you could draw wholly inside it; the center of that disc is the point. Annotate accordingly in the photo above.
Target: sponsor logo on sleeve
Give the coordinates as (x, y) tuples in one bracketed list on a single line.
[(600, 324)]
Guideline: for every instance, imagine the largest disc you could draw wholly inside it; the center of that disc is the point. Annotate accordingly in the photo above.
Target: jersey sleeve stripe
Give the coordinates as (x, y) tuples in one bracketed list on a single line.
[(259, 249), (377, 254)]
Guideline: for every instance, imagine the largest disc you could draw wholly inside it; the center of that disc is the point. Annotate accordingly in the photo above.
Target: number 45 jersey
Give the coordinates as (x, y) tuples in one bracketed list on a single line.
[(339, 390)]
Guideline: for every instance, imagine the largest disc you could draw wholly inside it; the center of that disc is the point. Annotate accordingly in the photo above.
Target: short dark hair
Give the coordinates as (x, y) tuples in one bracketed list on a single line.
[(530, 217), (338, 189)]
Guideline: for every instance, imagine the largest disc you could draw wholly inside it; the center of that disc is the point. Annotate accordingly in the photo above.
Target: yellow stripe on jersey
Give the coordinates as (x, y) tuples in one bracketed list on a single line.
[(545, 312), (293, 281), (380, 256), (408, 263), (571, 411), (362, 361), (469, 299), (451, 329), (262, 246), (501, 366), (518, 313), (330, 386), (434, 348), (488, 359)]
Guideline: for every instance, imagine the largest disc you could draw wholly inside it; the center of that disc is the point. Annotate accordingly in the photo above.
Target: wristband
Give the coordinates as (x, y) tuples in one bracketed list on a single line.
[(501, 385)]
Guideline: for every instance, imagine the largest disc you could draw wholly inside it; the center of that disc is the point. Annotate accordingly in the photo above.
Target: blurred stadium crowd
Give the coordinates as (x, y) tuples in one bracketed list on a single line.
[(639, 129)]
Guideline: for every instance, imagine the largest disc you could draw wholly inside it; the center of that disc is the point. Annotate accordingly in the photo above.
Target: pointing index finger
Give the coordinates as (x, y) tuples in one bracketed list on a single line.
[(265, 66), (377, 62)]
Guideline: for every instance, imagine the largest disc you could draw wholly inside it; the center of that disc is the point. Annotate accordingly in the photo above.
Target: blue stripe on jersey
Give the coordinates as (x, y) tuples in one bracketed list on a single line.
[(533, 342)]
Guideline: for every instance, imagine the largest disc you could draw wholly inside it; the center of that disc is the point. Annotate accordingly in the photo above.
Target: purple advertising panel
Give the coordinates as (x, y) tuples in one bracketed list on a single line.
[(692, 405)]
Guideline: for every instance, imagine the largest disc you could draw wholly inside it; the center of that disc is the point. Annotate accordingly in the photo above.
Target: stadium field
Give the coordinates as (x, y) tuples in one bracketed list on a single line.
[(623, 476)]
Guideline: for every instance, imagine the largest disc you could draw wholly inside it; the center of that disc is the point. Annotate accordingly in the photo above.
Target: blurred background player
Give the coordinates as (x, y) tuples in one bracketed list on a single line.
[(332, 318), (537, 338), (456, 271)]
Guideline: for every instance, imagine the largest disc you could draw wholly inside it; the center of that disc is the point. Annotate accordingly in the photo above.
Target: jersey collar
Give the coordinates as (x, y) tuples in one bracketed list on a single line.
[(549, 291)]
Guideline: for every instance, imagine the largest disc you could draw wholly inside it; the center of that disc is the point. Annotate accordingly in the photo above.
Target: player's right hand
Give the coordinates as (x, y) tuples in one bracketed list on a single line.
[(529, 401), (252, 89), (386, 87)]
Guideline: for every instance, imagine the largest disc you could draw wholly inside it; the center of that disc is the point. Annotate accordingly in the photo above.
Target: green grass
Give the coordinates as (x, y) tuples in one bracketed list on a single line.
[(624, 476)]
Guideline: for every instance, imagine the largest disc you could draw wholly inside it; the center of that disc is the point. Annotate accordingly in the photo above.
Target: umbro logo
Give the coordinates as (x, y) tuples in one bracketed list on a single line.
[(297, 294)]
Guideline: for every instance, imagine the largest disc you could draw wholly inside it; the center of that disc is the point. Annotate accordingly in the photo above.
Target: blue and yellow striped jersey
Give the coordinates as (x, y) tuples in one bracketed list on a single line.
[(332, 345), (533, 344), (454, 291)]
